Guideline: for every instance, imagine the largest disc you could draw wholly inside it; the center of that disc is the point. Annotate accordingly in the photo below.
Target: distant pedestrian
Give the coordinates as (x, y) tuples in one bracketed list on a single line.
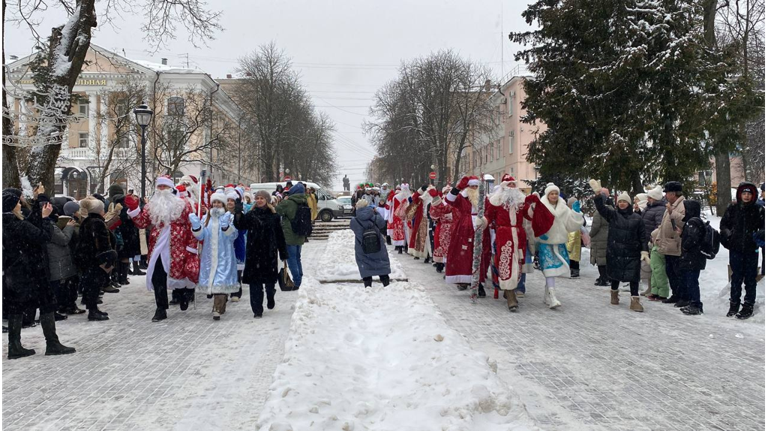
[(598, 250), (626, 245), (371, 252), (95, 254), (574, 246), (667, 240), (743, 223), (25, 273), (265, 244), (692, 261)]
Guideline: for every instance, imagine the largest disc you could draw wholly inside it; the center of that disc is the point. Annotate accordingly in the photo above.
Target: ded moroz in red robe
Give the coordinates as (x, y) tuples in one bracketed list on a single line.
[(443, 214), (458, 268), (510, 241)]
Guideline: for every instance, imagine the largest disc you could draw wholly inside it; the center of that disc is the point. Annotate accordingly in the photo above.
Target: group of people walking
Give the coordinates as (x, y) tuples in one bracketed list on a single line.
[(190, 236), (658, 236)]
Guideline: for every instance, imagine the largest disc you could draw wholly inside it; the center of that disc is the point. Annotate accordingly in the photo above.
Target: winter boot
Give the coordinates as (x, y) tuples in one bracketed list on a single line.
[(682, 303), (426, 259), (574, 273), (615, 297), (59, 316), (733, 310), (647, 291), (52, 344), (110, 288), (384, 280), (511, 300), (546, 295), (183, 299), (519, 293), (553, 302), (15, 349), (367, 281), (270, 300), (439, 267), (137, 270), (94, 314), (635, 305), (123, 276), (692, 309), (399, 250), (462, 286), (389, 240), (671, 300), (746, 311), (480, 290), (160, 314)]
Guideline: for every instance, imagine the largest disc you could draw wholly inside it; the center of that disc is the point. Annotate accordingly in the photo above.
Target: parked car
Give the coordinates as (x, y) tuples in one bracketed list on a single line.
[(346, 203), (328, 207)]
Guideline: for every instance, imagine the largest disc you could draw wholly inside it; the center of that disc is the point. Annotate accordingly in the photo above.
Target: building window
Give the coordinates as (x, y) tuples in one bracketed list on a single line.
[(511, 141), (705, 177), (121, 106), (498, 150), (83, 140), (511, 103), (82, 109), (176, 106), (123, 141)]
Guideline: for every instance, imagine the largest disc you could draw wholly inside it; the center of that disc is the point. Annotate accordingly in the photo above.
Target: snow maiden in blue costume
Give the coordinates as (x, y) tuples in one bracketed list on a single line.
[(218, 266), (553, 254)]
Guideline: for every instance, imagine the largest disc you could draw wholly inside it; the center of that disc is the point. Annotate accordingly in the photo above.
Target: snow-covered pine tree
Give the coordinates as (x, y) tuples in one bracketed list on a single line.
[(625, 87)]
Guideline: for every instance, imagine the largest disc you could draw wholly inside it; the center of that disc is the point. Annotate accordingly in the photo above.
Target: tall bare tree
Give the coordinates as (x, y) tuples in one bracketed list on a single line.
[(64, 54)]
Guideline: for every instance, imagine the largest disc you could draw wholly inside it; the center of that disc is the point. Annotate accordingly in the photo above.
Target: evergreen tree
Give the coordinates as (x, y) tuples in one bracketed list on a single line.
[(626, 88)]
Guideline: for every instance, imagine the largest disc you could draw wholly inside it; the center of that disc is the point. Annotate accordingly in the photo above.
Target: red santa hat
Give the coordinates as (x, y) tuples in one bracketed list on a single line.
[(182, 189), (164, 180), (473, 181), (433, 192), (508, 179)]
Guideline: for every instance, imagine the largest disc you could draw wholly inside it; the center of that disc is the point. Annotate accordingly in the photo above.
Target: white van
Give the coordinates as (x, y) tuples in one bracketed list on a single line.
[(327, 206)]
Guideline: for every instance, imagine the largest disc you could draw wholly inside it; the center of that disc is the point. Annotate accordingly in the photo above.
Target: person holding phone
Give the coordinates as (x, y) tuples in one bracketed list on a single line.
[(25, 272)]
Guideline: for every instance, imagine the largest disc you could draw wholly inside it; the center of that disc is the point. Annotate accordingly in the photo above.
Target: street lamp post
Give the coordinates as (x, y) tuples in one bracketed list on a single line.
[(143, 117)]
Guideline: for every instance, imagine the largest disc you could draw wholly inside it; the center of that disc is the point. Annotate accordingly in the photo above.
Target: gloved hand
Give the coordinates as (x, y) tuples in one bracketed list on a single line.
[(577, 206), (238, 206), (645, 256), (423, 188), (595, 184), (531, 199), (195, 220), (463, 183), (224, 220), (482, 223), (132, 202)]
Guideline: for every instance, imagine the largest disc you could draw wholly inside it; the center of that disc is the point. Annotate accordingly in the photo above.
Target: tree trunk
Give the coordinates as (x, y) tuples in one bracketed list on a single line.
[(10, 165), (76, 34)]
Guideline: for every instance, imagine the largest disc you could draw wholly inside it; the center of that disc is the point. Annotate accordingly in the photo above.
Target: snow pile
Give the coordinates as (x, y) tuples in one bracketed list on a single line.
[(338, 261), (383, 358), (716, 290)]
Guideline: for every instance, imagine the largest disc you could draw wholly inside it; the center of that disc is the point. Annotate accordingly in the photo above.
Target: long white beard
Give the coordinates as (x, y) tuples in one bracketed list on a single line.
[(507, 196), (405, 193), (165, 207), (473, 195)]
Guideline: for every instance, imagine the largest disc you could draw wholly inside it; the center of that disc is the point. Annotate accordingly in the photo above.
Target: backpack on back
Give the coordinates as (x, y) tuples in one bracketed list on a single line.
[(711, 243), (371, 239), (302, 221)]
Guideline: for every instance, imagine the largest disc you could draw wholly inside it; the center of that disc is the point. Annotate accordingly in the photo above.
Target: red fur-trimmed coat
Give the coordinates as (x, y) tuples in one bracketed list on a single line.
[(444, 215), (185, 262)]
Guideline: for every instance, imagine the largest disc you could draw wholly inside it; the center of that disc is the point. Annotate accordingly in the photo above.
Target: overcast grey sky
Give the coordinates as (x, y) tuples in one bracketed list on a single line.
[(344, 50)]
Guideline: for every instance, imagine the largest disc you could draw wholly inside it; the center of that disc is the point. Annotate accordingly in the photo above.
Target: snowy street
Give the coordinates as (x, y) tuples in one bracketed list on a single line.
[(393, 358)]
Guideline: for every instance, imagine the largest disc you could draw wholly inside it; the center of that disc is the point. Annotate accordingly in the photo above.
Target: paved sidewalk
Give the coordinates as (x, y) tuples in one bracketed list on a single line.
[(187, 372), (606, 367)]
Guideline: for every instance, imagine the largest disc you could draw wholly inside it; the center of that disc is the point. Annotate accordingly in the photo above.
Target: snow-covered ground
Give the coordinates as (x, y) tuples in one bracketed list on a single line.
[(383, 358), (337, 263)]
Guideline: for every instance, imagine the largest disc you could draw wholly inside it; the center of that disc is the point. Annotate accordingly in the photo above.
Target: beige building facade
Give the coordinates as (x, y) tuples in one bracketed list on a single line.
[(102, 145)]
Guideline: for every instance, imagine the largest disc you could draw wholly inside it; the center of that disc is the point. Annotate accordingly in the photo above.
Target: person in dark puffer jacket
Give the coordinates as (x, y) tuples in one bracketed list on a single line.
[(692, 262), (626, 246), (741, 223), (62, 268), (25, 272)]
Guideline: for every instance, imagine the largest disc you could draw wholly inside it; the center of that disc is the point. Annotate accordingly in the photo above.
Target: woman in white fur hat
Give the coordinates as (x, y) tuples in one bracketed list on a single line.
[(556, 223)]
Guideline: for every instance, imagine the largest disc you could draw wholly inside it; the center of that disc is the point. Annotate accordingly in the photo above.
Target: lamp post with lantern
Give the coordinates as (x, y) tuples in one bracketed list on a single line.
[(143, 118)]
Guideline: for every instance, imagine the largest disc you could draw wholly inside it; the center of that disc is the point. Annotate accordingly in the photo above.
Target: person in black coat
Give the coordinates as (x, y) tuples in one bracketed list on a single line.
[(692, 261), (626, 245), (25, 272), (741, 223), (265, 243), (95, 255)]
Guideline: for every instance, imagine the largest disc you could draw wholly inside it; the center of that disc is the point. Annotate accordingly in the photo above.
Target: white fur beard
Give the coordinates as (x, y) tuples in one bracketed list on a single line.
[(473, 195), (165, 207), (511, 197)]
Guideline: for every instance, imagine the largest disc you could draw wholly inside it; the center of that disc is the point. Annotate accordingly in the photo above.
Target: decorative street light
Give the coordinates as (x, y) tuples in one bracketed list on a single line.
[(143, 117)]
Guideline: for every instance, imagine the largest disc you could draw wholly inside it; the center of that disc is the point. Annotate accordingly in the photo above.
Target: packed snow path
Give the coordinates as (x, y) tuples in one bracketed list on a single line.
[(591, 365), (186, 372)]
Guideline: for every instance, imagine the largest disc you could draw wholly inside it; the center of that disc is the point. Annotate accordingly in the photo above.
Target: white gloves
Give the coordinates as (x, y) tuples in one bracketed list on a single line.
[(595, 184), (645, 256), (481, 223)]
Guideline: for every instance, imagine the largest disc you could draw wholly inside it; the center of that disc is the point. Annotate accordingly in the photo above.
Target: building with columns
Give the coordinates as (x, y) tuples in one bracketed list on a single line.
[(196, 124)]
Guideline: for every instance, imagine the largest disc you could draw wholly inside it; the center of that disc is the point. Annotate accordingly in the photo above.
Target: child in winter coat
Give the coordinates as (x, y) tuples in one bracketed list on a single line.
[(552, 221), (626, 244), (692, 262), (218, 266), (742, 222)]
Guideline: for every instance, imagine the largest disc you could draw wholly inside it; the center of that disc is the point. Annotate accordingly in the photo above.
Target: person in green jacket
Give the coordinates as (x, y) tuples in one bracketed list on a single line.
[(287, 211)]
